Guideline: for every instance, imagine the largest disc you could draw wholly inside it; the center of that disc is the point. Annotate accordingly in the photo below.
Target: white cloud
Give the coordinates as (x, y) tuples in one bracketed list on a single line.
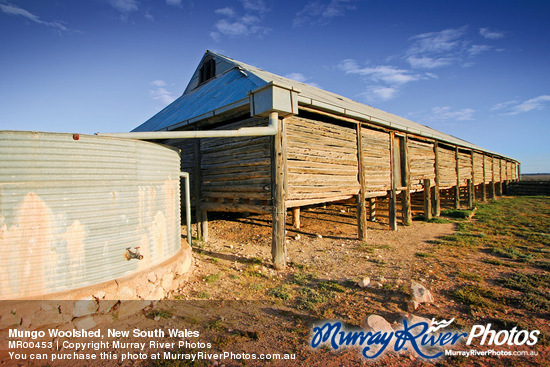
[(385, 81), (124, 6), (437, 43), (255, 5), (299, 77), (159, 83), (173, 2), (17, 11), (477, 49), (446, 113), (493, 35), (382, 73), (227, 12), (447, 47), (161, 94), (380, 93), (322, 12), (425, 62), (234, 25), (515, 107), (503, 105)]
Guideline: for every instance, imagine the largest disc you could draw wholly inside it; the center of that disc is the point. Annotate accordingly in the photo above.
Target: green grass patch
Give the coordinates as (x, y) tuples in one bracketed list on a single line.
[(438, 220), (365, 247), (423, 254), (301, 278), (477, 295), (212, 278), (457, 213), (309, 298), (469, 276), (256, 260), (163, 314), (331, 286), (203, 295), (511, 252), (282, 291), (254, 271)]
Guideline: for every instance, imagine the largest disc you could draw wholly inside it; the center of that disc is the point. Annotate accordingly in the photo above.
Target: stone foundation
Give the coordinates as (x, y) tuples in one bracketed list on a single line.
[(84, 308)]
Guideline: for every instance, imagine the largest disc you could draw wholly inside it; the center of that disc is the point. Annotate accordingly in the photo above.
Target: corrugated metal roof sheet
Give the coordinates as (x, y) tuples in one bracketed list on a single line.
[(235, 84), (221, 91)]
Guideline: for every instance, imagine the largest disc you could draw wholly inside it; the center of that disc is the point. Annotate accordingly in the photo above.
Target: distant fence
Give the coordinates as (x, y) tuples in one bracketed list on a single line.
[(525, 188)]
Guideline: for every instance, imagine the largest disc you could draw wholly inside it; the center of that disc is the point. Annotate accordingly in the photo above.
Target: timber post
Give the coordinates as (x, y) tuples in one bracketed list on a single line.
[(500, 177), (436, 196), (361, 200), (392, 209), (296, 217), (473, 179), (197, 187), (471, 189), (372, 209), (493, 188), (204, 225), (457, 187), (427, 199), (406, 193), (484, 186), (278, 246)]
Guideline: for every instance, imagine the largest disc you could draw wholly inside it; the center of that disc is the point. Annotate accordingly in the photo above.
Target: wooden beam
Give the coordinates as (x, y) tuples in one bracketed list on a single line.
[(235, 207), (473, 178), (493, 189), (457, 187), (484, 186), (361, 200), (427, 199), (436, 196), (197, 186), (372, 209), (406, 194), (278, 245), (393, 192), (500, 177), (470, 186), (204, 225), (296, 217)]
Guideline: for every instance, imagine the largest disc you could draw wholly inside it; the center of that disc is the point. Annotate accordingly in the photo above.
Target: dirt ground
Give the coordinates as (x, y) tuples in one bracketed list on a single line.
[(238, 303)]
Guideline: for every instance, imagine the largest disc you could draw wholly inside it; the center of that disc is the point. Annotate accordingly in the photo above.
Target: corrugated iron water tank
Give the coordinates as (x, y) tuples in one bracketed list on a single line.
[(71, 206)]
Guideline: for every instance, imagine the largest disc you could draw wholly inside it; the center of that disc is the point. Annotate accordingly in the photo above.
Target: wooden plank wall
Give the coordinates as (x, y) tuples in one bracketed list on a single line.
[(322, 162), (465, 166), (478, 168), (496, 168), (236, 169), (421, 163), (488, 168), (376, 153), (447, 167), (322, 166)]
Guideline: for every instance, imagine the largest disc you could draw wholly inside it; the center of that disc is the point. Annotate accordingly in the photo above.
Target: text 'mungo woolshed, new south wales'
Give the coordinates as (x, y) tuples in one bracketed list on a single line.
[(303, 146)]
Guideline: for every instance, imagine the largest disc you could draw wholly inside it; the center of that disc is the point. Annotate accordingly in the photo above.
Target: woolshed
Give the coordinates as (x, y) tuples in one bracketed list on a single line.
[(281, 145)]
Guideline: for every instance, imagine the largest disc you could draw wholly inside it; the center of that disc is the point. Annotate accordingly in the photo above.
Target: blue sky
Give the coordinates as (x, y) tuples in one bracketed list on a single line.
[(476, 69)]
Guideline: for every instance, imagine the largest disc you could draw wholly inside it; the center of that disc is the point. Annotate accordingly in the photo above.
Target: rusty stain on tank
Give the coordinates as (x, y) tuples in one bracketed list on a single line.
[(30, 242), (65, 223)]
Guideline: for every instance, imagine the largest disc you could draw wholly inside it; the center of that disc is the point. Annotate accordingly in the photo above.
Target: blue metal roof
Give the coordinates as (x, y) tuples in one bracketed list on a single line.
[(236, 79), (225, 89)]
